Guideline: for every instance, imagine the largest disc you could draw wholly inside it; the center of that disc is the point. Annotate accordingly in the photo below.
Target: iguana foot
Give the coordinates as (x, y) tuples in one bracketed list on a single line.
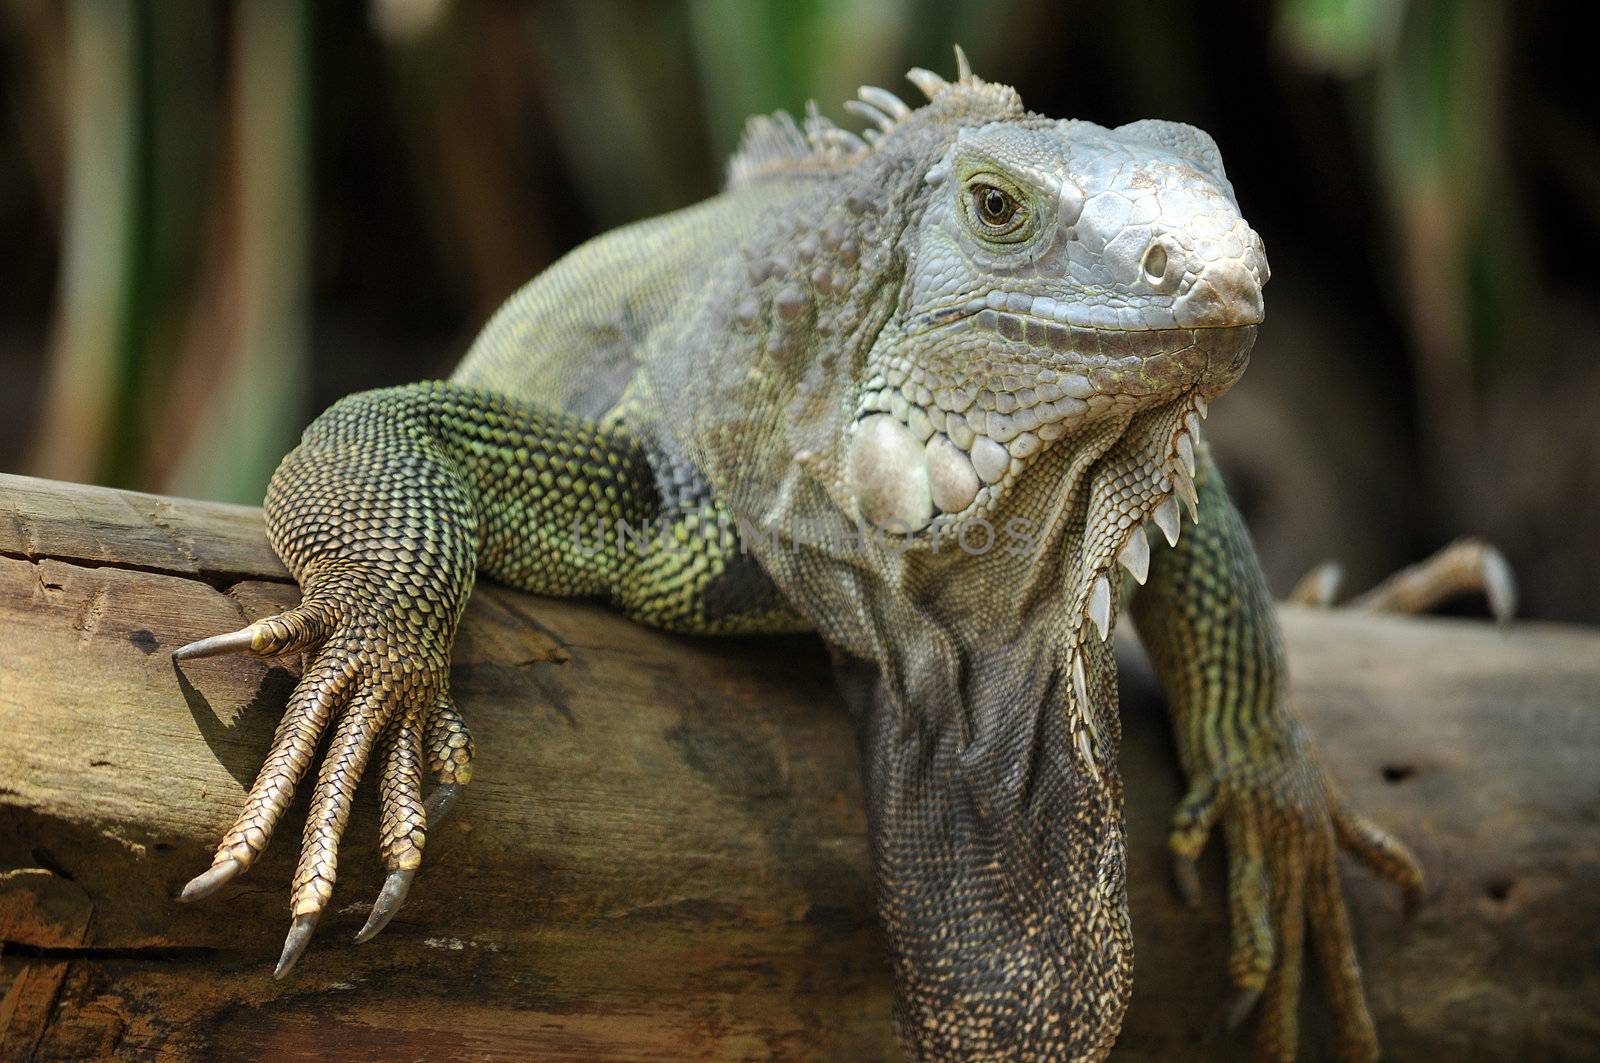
[(383, 690), (1466, 566), (1284, 828)]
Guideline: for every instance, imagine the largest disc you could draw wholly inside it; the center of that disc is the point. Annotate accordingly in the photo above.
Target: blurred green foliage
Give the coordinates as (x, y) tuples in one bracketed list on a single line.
[(166, 294)]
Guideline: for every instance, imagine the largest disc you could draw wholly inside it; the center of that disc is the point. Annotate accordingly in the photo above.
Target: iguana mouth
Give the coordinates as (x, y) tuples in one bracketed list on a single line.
[(1045, 321), (1225, 296), (926, 454), (918, 468)]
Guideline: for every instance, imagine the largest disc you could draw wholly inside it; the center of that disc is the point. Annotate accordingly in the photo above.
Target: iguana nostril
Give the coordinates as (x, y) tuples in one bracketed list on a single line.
[(1155, 263)]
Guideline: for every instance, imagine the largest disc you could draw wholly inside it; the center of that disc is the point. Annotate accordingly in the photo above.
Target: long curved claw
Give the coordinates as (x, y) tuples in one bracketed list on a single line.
[(1499, 585), (403, 825), (240, 641), (342, 765), (1318, 587), (294, 946), (1253, 952), (1465, 566), (211, 880), (395, 888), (291, 631), (398, 883)]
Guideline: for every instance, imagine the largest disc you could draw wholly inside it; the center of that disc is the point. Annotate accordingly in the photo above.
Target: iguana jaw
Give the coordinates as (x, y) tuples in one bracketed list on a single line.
[(939, 441)]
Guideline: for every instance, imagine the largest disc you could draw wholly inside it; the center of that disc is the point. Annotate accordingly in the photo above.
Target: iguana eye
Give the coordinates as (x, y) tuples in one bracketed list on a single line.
[(994, 208)]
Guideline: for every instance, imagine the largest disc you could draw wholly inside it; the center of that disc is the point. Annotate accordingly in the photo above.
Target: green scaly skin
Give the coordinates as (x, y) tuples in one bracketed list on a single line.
[(851, 339)]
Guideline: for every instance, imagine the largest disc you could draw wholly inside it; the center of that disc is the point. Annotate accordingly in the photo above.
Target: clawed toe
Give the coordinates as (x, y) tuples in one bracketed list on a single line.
[(1499, 585), (291, 631), (395, 888), (1318, 587), (241, 641), (294, 946), (211, 880), (398, 884)]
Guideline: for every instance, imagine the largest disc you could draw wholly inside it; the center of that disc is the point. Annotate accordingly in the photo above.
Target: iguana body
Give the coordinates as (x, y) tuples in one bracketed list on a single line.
[(921, 396)]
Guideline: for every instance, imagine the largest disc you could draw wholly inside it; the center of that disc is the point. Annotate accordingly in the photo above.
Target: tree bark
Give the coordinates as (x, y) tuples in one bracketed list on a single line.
[(663, 852)]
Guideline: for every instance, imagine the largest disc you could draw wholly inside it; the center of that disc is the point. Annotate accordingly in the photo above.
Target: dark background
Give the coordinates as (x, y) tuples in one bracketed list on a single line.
[(216, 218)]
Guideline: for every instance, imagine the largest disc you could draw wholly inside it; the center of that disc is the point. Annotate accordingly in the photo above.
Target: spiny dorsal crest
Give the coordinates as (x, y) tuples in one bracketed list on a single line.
[(776, 145)]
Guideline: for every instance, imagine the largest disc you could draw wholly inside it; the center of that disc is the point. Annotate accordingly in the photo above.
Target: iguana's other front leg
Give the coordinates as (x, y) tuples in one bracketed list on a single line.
[(1210, 625)]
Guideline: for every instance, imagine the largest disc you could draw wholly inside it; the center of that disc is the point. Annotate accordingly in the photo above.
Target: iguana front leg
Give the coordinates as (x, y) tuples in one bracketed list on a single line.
[(391, 503), (1210, 625)]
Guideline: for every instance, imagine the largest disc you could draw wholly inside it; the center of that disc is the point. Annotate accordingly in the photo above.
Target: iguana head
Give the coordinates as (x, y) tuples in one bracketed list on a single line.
[(981, 284), (1060, 274)]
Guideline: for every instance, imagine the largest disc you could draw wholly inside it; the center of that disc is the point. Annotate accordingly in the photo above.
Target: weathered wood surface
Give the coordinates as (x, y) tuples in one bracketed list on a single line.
[(662, 854)]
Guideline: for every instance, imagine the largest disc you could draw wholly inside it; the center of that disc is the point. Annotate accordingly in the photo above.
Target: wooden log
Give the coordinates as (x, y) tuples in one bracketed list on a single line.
[(662, 855)]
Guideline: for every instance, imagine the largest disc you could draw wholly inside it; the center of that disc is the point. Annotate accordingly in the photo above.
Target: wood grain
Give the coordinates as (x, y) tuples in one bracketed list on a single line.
[(662, 855)]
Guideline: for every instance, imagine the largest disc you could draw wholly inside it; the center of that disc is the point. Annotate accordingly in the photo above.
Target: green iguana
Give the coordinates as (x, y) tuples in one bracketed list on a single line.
[(921, 392)]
